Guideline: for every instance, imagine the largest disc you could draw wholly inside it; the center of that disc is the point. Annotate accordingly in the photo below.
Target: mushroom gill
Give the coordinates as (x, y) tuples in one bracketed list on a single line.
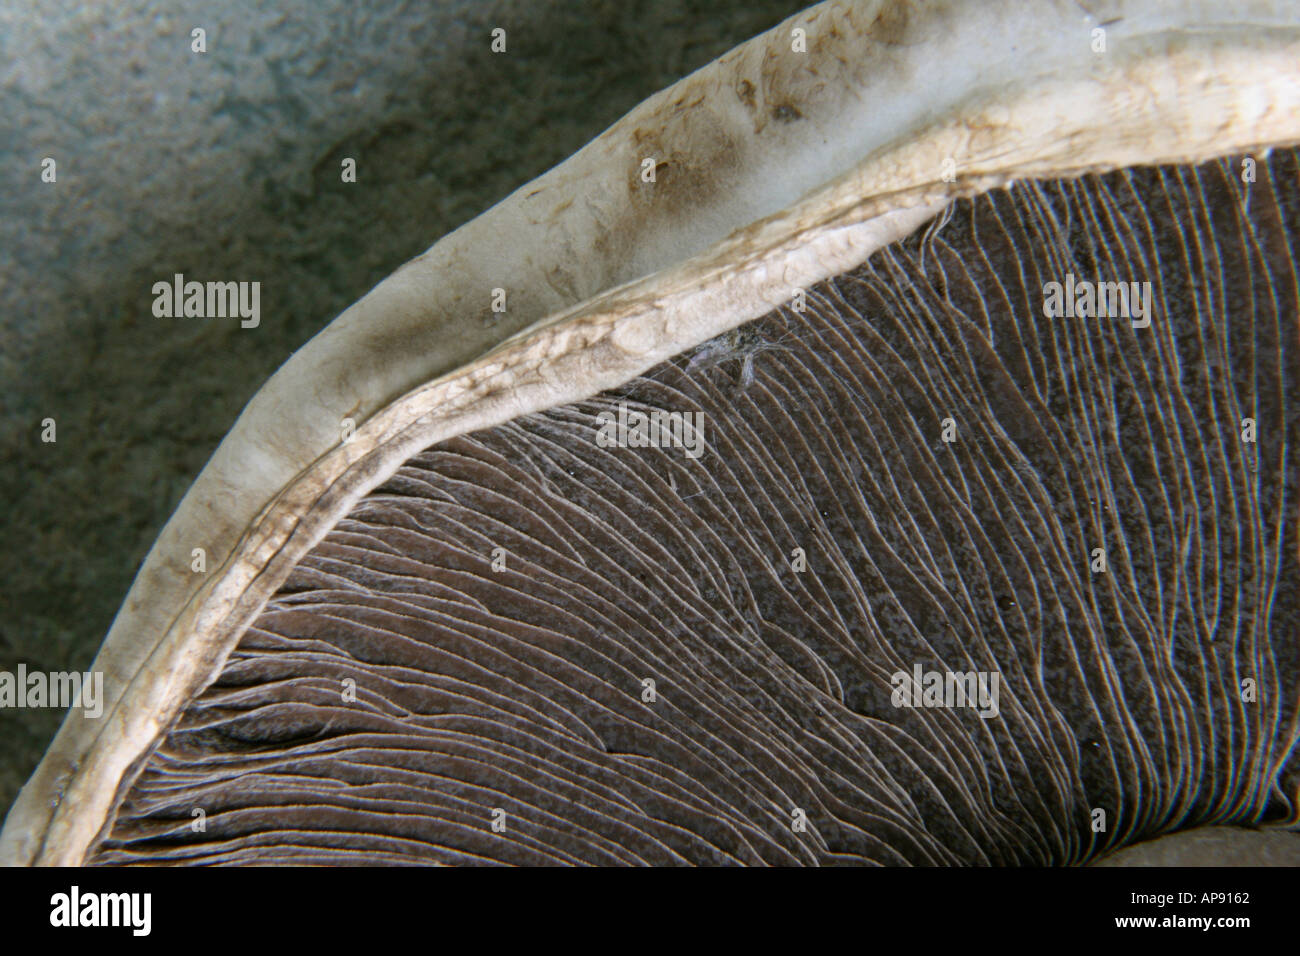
[(472, 643), (972, 544)]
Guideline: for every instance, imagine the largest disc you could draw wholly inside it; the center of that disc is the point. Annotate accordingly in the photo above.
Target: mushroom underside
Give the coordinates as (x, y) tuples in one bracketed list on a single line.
[(530, 647)]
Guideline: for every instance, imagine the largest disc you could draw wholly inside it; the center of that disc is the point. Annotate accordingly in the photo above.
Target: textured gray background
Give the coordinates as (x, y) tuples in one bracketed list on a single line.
[(226, 166)]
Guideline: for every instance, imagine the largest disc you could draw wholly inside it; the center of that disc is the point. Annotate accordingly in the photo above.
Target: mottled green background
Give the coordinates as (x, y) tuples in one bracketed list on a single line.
[(225, 166)]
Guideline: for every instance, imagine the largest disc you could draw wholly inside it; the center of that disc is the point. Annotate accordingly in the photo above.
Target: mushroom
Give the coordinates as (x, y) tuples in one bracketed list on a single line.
[(959, 577)]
